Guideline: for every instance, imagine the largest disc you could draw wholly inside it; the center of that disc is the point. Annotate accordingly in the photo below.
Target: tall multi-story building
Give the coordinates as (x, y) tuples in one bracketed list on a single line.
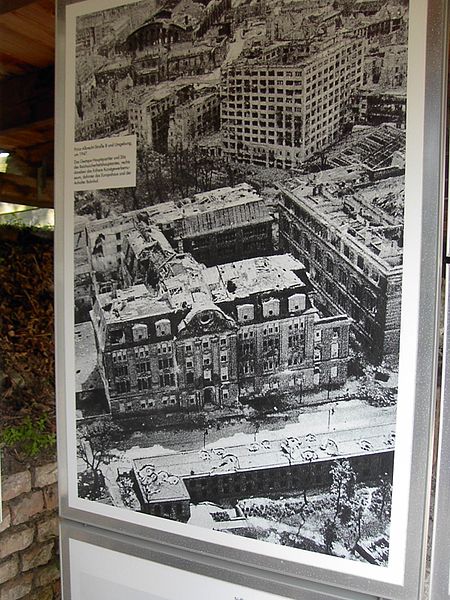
[(348, 232), (216, 335), (290, 101)]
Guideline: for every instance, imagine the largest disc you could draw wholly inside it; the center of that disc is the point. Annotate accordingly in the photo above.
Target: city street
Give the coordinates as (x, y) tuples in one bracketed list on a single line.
[(327, 418), (338, 416)]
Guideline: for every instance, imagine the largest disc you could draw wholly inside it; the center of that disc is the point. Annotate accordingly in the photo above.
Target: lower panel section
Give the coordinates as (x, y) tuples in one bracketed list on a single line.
[(99, 565)]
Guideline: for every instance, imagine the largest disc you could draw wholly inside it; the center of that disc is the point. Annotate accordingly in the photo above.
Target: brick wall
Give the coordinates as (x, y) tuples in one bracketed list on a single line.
[(29, 561)]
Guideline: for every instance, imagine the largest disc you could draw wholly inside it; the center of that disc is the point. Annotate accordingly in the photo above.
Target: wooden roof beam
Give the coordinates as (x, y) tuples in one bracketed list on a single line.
[(27, 99), (17, 189), (32, 135)]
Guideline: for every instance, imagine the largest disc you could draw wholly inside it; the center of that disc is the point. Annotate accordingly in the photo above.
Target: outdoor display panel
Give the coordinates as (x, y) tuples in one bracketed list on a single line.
[(95, 569), (248, 244)]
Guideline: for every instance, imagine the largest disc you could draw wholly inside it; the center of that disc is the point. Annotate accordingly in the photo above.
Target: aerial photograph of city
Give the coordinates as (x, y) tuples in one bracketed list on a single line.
[(237, 311)]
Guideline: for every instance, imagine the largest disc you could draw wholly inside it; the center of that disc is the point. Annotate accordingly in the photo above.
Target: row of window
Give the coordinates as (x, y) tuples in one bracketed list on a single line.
[(296, 341), (304, 241), (270, 329), (280, 139), (165, 401), (334, 352), (239, 76), (270, 344), (262, 115), (140, 332), (249, 482), (144, 366), (264, 124), (206, 344), (272, 155), (295, 359)]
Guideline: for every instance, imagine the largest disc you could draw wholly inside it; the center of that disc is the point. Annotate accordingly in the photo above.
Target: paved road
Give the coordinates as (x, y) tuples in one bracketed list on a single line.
[(353, 414)]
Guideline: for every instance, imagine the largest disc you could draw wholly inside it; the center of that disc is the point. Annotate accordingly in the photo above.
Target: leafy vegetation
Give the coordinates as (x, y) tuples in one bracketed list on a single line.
[(30, 438), (334, 520), (94, 449)]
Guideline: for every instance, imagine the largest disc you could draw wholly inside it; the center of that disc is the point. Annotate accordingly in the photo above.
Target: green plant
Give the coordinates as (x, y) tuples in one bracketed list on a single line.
[(30, 437), (14, 222)]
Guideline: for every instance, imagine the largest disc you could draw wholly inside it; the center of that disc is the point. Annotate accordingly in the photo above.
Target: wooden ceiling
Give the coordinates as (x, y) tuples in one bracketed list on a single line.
[(27, 56)]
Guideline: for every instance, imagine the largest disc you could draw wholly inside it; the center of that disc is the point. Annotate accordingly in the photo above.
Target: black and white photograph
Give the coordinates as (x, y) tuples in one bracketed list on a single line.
[(238, 310)]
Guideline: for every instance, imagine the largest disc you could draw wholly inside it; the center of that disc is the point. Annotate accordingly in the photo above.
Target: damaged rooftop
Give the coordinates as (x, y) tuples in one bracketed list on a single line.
[(186, 283)]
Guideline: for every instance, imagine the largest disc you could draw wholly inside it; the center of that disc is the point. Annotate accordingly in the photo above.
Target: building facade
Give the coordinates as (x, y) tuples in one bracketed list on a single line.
[(216, 335), (273, 106), (149, 114), (349, 234), (193, 120), (375, 108), (167, 485), (177, 22), (225, 225), (302, 20), (222, 225)]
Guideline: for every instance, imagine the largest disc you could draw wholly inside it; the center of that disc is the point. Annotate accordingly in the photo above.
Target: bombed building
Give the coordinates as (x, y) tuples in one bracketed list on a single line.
[(167, 485), (196, 119), (215, 335), (349, 233), (149, 113), (187, 311), (289, 101), (221, 225), (177, 22)]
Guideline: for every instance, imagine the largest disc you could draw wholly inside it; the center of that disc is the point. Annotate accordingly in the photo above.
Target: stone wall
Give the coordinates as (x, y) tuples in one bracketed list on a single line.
[(29, 552)]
